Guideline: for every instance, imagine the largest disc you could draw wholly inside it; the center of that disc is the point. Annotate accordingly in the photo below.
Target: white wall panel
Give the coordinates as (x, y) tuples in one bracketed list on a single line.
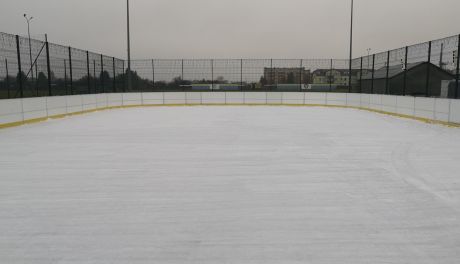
[(10, 111), (89, 102), (293, 98), (375, 102), (101, 100), (174, 98), (132, 99), (235, 98), (257, 98), (16, 110), (74, 103), (389, 103), (405, 105), (34, 108), (193, 98), (336, 99), (365, 100), (57, 105), (441, 108), (455, 111), (354, 100), (315, 98), (153, 98), (114, 99), (424, 107), (213, 97)]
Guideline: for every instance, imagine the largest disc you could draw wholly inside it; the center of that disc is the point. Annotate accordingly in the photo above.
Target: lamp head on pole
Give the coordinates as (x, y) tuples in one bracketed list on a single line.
[(28, 18)]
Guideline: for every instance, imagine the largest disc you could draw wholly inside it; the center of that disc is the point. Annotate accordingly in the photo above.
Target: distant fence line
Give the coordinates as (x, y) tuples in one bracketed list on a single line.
[(428, 69)]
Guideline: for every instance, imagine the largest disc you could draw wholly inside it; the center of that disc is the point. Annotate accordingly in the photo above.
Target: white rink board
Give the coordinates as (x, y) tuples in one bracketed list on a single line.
[(232, 184), (454, 115), (175, 98), (153, 98), (261, 98), (336, 99), (17, 110), (405, 105), (74, 104), (34, 108), (56, 105), (234, 97), (213, 98), (11, 111), (316, 98), (130, 99), (101, 100), (354, 100), (89, 102), (193, 98), (293, 98), (114, 99)]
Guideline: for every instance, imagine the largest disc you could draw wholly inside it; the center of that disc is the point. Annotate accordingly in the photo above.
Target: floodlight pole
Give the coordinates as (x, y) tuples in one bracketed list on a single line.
[(129, 46), (29, 19), (351, 47)]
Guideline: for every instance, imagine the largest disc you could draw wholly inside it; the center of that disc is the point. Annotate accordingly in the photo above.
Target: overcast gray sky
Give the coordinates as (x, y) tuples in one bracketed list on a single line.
[(234, 28)]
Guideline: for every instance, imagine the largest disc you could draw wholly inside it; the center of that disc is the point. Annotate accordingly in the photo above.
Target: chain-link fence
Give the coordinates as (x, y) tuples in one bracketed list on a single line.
[(32, 68), (42, 69), (240, 75)]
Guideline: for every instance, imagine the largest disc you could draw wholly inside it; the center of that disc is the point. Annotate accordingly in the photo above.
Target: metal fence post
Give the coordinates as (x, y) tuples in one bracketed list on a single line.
[(276, 79), (65, 77), (361, 77), (182, 70), (241, 74), (441, 56), (458, 69), (88, 71), (153, 75), (428, 66), (48, 66), (300, 76), (124, 77), (102, 74), (373, 72), (21, 90), (94, 74), (113, 75), (182, 76), (405, 72), (212, 75), (330, 75), (387, 81), (272, 76), (70, 71), (350, 75), (7, 78)]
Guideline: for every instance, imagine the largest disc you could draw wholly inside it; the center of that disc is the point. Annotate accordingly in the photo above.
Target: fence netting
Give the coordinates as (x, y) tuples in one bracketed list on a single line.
[(31, 68)]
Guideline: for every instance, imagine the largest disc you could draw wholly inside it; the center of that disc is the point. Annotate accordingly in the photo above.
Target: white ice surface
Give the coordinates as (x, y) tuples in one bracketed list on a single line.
[(230, 185)]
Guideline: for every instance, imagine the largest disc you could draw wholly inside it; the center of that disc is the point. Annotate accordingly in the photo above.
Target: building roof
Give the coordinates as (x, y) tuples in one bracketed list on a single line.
[(393, 71)]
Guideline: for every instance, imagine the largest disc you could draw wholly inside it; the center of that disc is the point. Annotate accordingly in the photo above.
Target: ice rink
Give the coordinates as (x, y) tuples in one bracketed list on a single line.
[(232, 185)]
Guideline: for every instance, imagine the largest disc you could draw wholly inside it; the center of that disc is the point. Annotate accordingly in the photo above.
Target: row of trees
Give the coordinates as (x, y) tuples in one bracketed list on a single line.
[(38, 86)]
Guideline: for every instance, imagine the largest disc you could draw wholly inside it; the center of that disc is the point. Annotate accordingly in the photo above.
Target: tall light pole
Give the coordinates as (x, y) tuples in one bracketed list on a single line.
[(29, 19), (129, 47), (351, 46)]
